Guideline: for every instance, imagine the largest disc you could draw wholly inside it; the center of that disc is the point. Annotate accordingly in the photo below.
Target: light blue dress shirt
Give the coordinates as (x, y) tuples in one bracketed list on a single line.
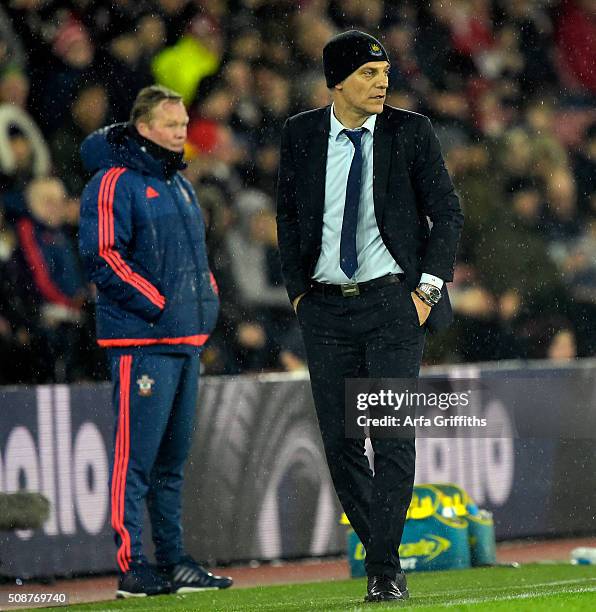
[(374, 260)]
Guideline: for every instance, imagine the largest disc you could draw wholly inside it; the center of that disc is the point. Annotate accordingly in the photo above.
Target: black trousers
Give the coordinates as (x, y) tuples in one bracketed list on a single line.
[(375, 335)]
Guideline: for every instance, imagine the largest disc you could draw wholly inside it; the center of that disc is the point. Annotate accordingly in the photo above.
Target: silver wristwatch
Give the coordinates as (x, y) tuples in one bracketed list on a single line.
[(428, 293)]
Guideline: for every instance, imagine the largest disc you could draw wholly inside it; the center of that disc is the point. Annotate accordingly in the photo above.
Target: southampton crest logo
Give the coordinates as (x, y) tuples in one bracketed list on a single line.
[(145, 385), (375, 49)]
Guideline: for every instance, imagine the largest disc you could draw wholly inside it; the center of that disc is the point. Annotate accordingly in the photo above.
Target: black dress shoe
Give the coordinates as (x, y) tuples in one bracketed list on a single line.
[(382, 588), (402, 585)]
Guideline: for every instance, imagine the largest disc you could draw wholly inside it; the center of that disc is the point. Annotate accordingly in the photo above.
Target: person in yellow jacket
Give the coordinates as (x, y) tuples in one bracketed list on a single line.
[(196, 55)]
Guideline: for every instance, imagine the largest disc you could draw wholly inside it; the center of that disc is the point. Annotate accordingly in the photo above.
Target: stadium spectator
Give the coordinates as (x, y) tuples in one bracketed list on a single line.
[(256, 274), (562, 221), (89, 112), (48, 253), (507, 83), (126, 61), (12, 54), (551, 337), (576, 45), (24, 155), (74, 56), (196, 55), (53, 276), (14, 88), (21, 359), (584, 168)]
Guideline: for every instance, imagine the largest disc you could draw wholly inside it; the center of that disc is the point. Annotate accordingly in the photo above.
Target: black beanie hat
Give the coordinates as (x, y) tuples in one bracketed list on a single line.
[(346, 52)]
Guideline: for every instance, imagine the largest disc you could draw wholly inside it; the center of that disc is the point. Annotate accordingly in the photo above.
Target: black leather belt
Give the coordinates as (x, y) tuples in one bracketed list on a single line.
[(354, 289)]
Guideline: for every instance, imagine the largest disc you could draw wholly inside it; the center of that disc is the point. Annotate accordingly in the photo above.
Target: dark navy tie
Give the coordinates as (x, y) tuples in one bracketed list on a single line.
[(348, 257)]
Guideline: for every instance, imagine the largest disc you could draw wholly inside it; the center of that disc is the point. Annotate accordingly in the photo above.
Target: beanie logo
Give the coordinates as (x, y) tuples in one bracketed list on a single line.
[(375, 49)]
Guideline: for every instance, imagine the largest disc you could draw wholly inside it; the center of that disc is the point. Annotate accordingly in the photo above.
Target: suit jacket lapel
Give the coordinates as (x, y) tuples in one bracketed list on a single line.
[(317, 163), (382, 150)]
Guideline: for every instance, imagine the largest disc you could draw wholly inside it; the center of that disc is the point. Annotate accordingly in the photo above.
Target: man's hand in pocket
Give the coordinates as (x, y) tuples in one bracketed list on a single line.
[(422, 309), (296, 300)]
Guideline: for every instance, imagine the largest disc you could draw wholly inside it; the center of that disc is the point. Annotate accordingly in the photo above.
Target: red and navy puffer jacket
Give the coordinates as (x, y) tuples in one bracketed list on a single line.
[(142, 240)]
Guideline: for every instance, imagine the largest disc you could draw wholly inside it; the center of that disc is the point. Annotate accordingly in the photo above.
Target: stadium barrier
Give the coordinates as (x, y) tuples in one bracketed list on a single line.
[(257, 486)]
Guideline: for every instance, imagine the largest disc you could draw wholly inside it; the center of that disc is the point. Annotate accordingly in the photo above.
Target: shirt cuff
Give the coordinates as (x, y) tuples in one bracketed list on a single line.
[(432, 280)]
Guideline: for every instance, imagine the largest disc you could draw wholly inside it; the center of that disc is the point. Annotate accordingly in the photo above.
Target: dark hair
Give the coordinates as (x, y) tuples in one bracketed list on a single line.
[(148, 98), (541, 331)]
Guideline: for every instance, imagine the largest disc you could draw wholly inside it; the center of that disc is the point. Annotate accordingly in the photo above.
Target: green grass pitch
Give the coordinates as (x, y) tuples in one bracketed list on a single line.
[(527, 588)]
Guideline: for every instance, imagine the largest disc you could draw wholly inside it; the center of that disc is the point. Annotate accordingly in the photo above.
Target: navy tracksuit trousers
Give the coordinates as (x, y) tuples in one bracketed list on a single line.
[(154, 398)]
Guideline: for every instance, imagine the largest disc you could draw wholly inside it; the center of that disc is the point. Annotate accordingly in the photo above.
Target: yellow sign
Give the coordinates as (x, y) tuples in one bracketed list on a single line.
[(430, 548)]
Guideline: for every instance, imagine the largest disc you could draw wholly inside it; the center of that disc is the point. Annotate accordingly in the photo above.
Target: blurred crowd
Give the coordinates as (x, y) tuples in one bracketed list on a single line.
[(509, 84)]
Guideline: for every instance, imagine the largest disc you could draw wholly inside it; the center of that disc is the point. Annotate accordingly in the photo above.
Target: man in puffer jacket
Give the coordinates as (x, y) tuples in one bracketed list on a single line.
[(142, 240)]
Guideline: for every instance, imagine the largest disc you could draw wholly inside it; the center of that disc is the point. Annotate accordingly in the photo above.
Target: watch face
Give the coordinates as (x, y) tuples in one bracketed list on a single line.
[(434, 293)]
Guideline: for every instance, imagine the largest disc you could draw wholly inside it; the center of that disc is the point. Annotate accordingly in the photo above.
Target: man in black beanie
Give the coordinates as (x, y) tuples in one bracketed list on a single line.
[(358, 183)]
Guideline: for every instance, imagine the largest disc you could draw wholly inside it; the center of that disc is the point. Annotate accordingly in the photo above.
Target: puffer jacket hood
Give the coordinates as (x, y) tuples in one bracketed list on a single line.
[(114, 146)]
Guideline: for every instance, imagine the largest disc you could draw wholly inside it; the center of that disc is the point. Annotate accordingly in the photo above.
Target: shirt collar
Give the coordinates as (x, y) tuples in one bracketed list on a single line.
[(337, 127)]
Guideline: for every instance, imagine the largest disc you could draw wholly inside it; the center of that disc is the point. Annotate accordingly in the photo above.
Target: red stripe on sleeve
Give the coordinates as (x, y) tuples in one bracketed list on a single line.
[(105, 206)]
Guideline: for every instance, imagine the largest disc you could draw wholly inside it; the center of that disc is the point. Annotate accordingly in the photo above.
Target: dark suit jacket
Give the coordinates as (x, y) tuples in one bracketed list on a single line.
[(410, 186)]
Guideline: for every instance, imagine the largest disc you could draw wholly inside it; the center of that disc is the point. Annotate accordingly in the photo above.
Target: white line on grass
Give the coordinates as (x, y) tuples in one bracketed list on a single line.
[(510, 586), (496, 598), (420, 600)]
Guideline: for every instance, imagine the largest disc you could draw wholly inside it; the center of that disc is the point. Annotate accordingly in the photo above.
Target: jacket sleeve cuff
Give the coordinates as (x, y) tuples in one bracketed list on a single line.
[(432, 280)]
